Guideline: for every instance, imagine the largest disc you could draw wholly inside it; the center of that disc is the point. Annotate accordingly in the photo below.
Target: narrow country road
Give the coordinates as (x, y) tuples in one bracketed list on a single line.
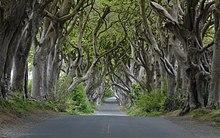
[(107, 122)]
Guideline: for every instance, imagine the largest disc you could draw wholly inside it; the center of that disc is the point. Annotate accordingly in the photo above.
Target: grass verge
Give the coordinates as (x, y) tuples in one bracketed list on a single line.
[(75, 102), (21, 107), (211, 116)]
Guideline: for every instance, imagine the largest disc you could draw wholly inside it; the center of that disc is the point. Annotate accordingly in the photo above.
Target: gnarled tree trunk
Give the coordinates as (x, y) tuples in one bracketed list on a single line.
[(9, 33), (214, 97), (20, 62)]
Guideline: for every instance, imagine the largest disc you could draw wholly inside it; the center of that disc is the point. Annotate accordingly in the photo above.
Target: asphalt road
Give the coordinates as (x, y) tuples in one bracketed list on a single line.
[(107, 122)]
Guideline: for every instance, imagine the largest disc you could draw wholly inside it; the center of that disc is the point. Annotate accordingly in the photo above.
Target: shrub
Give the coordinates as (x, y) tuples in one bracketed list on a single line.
[(151, 103), (75, 102), (135, 94)]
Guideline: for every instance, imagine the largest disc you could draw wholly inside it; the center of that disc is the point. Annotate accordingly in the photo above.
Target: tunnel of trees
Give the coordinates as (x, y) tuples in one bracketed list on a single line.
[(129, 47)]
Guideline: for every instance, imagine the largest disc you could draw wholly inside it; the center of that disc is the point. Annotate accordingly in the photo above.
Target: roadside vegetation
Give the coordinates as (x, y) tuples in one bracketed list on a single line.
[(153, 103), (156, 103), (22, 107), (212, 116), (74, 102), (148, 104)]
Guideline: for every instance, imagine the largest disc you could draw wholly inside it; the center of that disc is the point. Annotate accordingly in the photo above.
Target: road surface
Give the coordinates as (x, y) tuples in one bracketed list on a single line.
[(107, 122)]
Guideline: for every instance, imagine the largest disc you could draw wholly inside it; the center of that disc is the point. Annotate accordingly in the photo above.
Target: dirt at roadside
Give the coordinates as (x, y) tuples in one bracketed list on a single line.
[(197, 128), (11, 125)]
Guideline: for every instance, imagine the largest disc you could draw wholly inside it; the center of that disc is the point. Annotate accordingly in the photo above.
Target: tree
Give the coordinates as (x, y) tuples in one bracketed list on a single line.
[(214, 97), (188, 31)]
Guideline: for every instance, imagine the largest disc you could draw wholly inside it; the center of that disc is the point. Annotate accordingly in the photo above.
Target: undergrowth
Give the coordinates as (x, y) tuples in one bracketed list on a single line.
[(21, 107), (75, 102), (148, 104), (78, 103), (153, 103)]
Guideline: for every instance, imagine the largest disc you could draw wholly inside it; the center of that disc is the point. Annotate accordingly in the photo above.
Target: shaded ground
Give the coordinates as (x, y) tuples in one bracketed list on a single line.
[(110, 122)]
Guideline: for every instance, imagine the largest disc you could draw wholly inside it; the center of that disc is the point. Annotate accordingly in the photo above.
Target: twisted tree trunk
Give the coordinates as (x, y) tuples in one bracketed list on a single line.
[(20, 60), (10, 29), (214, 97)]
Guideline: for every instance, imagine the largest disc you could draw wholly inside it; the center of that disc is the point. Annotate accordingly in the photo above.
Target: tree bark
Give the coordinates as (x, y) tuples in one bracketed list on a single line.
[(20, 60), (52, 72), (214, 97), (9, 32)]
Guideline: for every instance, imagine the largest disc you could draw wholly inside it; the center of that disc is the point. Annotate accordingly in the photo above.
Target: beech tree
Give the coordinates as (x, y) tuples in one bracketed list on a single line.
[(214, 97)]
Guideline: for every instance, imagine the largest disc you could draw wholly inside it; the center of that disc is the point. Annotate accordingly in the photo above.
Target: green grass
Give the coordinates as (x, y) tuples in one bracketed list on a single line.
[(75, 102), (209, 115), (22, 107)]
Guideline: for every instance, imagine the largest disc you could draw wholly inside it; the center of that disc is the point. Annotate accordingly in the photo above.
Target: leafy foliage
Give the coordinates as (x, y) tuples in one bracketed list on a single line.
[(75, 102), (151, 103)]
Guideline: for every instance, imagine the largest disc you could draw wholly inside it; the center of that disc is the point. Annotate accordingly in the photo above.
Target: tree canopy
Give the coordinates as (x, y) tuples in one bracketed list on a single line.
[(111, 45)]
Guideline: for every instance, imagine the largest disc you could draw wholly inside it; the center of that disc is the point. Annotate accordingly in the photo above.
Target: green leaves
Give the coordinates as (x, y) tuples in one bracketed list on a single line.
[(148, 104), (77, 102)]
